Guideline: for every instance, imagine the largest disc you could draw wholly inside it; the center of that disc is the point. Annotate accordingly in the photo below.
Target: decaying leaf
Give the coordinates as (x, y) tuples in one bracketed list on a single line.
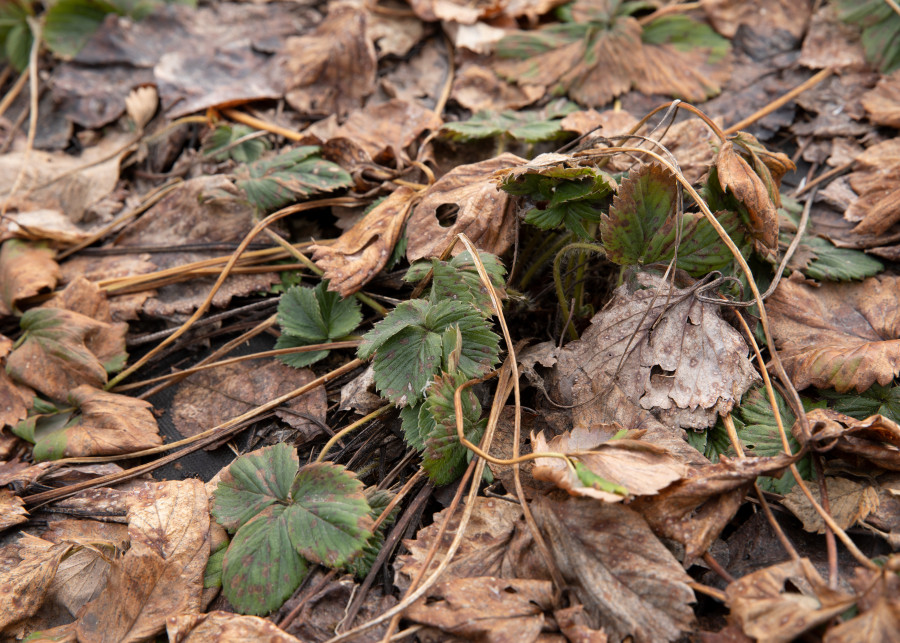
[(879, 609), (362, 251), (15, 399), (223, 626), (875, 181), (883, 103), (468, 197), (727, 15), (26, 571), (736, 174), (769, 612), (841, 336), (850, 502), (162, 572), (25, 270), (683, 361), (12, 509), (331, 70), (872, 441), (694, 510), (485, 608)]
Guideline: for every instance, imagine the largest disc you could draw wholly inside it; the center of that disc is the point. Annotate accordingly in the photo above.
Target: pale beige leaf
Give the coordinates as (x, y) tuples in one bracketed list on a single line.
[(219, 627), (850, 502), (883, 103), (12, 509), (25, 270), (25, 576)]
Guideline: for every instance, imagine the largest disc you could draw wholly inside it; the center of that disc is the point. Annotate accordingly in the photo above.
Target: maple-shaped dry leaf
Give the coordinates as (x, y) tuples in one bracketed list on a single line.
[(12, 509), (875, 180), (25, 576), (362, 251), (162, 572), (737, 175), (863, 443), (850, 502), (693, 511), (878, 604), (224, 626), (485, 608), (478, 207), (841, 336), (15, 399), (331, 70), (684, 362), (25, 270), (769, 612), (641, 468), (628, 582)]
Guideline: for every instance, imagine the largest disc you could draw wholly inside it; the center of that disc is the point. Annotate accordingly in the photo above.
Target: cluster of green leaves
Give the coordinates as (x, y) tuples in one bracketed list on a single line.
[(296, 174), (223, 144), (880, 26), (68, 24), (529, 126), (283, 517), (310, 316), (426, 348)]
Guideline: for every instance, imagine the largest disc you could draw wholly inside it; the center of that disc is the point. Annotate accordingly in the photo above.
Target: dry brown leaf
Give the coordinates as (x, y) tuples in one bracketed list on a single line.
[(216, 627), (684, 363), (25, 270), (735, 173), (331, 70), (478, 207), (161, 574), (394, 35), (770, 613), (883, 103), (850, 502), (575, 626), (628, 582), (831, 42), (767, 15), (879, 607), (42, 225), (15, 399), (12, 509), (876, 179), (477, 88), (26, 571), (208, 398), (842, 336), (611, 122), (461, 11), (362, 251), (873, 441), (486, 540), (642, 468), (485, 608), (60, 634), (693, 511)]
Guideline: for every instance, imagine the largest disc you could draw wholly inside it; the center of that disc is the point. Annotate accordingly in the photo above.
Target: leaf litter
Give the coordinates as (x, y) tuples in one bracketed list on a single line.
[(351, 139)]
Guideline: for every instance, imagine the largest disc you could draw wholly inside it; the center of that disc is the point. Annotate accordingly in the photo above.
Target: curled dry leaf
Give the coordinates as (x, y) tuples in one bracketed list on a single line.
[(883, 103), (850, 502), (842, 336), (878, 604), (746, 185), (693, 511), (770, 613), (162, 572), (26, 571), (12, 509), (684, 362), (362, 251), (642, 468), (223, 626), (15, 399), (873, 441), (628, 582), (485, 608), (25, 270), (876, 179), (477, 207), (333, 69)]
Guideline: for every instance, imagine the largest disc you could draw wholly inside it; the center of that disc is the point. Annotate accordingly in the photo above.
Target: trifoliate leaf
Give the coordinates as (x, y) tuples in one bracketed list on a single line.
[(444, 457), (480, 344), (329, 519), (314, 316), (875, 400), (378, 500), (458, 279), (225, 135), (252, 483), (530, 126), (261, 568), (880, 30), (291, 176)]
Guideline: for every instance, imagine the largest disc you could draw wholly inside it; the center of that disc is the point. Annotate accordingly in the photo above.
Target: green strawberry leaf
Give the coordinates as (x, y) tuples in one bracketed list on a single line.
[(444, 457), (413, 419), (329, 521), (458, 279), (69, 24), (880, 30), (875, 400), (530, 126), (212, 576), (15, 34), (261, 568), (253, 482), (225, 135), (711, 443), (298, 360), (290, 176), (378, 500)]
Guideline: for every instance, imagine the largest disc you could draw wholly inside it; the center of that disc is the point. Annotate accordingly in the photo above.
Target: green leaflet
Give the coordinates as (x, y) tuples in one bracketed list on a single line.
[(444, 457), (378, 500), (458, 279), (880, 26), (876, 400), (225, 135), (314, 316), (530, 126), (711, 443)]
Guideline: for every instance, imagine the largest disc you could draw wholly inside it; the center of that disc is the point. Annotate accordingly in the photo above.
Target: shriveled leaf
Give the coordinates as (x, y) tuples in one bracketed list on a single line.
[(25, 576), (63, 349), (736, 175), (296, 174), (361, 252), (227, 136), (850, 502), (12, 509), (329, 519), (458, 279), (253, 482), (25, 270), (843, 336), (879, 611), (224, 626), (261, 568), (443, 457), (873, 441), (875, 181), (476, 206)]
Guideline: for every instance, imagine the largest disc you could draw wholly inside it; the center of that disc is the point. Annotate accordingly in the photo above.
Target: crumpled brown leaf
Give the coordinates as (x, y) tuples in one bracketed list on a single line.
[(693, 511), (15, 399), (477, 88), (25, 270), (26, 570), (849, 501), (684, 363), (862, 442), (727, 15), (831, 42), (485, 608), (770, 613), (845, 336), (875, 181), (224, 626), (878, 604), (362, 251), (735, 173), (12, 509), (883, 103), (481, 211), (162, 572), (331, 70)]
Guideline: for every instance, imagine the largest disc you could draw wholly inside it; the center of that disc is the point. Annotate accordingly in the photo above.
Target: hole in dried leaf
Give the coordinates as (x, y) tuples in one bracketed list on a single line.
[(446, 214)]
